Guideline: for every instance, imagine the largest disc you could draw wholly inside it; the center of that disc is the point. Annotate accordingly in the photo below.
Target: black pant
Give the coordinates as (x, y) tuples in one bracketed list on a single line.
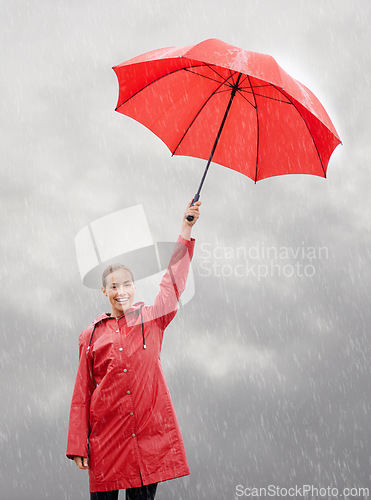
[(142, 493)]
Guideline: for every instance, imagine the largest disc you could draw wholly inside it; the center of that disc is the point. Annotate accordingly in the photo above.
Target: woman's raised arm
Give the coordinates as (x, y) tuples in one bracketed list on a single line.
[(175, 278)]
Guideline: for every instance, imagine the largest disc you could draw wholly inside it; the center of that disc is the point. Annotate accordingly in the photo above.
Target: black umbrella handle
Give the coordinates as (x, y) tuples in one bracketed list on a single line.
[(196, 198)]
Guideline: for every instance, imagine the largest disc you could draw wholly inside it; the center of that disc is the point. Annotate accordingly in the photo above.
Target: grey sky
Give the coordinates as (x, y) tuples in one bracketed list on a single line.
[(270, 376)]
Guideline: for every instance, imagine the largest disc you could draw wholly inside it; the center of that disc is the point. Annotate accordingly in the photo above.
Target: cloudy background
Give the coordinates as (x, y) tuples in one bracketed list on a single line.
[(269, 375)]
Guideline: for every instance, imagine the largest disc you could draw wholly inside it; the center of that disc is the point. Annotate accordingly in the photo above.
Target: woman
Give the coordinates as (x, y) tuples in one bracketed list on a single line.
[(123, 426)]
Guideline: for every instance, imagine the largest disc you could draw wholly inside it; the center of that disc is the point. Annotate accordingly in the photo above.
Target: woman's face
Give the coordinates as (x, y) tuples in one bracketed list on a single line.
[(120, 291)]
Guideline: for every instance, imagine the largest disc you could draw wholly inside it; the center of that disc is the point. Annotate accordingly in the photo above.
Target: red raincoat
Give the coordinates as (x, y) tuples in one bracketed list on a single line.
[(121, 409)]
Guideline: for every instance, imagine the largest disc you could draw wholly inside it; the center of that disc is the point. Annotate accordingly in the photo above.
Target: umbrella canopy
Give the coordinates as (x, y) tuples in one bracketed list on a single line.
[(238, 108)]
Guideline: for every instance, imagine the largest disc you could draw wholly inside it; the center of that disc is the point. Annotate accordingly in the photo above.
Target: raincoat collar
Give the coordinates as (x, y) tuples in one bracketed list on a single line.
[(133, 308), (102, 317)]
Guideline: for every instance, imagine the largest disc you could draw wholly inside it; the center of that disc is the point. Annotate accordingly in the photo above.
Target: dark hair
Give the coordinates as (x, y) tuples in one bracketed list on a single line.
[(114, 267)]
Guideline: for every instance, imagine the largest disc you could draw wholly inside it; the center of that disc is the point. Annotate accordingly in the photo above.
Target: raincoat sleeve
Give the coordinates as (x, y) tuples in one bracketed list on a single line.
[(78, 430), (173, 282)]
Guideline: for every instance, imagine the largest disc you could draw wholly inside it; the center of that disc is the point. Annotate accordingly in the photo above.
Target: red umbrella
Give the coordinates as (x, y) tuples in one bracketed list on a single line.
[(238, 108)]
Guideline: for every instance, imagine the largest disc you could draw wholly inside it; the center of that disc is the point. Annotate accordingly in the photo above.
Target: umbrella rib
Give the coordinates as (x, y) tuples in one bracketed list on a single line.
[(257, 131), (265, 96), (258, 86), (273, 99), (315, 145), (251, 104), (223, 90), (232, 75), (203, 76), (198, 113), (209, 78), (240, 85), (220, 76), (253, 86), (154, 81)]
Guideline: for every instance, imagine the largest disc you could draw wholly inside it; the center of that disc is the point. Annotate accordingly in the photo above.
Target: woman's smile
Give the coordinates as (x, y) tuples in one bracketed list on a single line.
[(122, 300)]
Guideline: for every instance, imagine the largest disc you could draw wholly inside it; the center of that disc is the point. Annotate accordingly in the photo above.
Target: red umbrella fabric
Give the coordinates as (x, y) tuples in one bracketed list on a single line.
[(268, 123)]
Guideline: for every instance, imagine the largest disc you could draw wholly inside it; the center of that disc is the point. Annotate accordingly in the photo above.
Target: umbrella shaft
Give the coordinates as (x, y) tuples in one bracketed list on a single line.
[(233, 93)]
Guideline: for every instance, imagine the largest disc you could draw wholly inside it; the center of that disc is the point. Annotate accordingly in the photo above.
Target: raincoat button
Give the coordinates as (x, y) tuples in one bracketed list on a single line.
[(133, 435), (125, 370), (131, 413), (128, 392), (120, 349)]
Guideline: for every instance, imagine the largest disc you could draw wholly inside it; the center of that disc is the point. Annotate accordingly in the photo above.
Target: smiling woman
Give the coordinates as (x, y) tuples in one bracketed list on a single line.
[(123, 427), (118, 285)]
